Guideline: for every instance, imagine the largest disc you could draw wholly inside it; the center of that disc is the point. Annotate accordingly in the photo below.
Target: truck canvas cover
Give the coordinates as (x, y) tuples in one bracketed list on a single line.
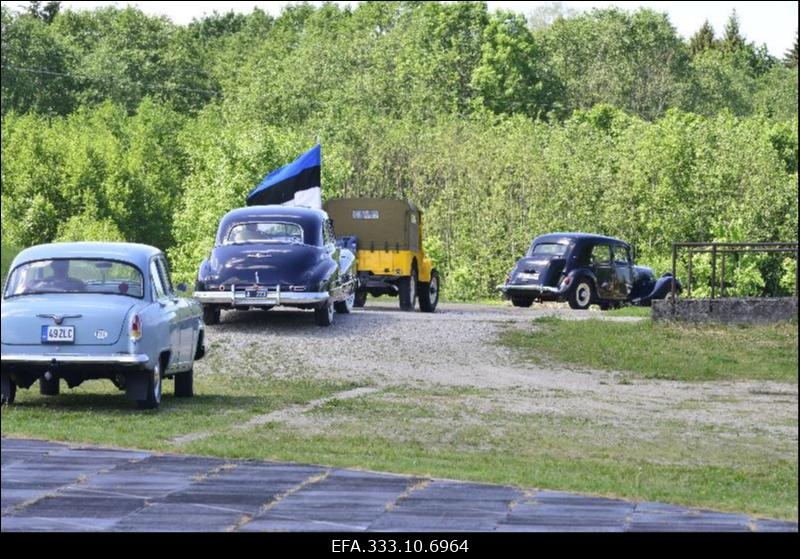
[(378, 223)]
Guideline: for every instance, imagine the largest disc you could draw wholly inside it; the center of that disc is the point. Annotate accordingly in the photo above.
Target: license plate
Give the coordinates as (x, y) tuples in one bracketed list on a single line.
[(525, 276), (58, 334), (256, 293)]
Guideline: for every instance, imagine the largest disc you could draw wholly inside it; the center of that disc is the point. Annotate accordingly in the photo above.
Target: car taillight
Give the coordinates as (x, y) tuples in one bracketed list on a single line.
[(136, 327), (567, 281)]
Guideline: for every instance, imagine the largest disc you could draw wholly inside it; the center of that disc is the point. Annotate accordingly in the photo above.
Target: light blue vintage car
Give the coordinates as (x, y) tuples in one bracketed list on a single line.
[(83, 311)]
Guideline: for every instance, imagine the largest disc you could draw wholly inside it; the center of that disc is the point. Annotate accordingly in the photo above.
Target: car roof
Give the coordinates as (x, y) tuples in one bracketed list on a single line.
[(386, 204), (309, 219), (135, 253), (555, 237)]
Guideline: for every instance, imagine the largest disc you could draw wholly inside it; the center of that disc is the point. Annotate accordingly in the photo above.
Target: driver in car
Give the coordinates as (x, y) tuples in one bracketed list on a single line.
[(61, 278)]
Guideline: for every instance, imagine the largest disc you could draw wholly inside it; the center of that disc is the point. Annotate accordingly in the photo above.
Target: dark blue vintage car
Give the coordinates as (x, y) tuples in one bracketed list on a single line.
[(582, 269), (266, 256)]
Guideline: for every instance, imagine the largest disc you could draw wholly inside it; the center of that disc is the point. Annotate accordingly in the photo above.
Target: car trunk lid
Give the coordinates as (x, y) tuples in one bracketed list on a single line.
[(538, 270), (97, 319), (265, 264)]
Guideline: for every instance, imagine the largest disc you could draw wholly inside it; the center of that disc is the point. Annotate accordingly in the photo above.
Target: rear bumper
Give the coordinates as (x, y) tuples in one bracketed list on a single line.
[(273, 298), (25, 369), (122, 360)]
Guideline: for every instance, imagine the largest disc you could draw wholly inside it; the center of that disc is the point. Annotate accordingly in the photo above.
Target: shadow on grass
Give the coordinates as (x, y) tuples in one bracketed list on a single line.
[(118, 403)]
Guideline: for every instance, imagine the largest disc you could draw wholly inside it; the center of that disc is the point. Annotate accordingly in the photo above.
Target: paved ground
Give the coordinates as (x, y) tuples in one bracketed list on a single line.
[(56, 487)]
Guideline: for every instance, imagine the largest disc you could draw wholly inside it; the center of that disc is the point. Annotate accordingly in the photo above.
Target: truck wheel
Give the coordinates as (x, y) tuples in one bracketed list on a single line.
[(153, 389), (9, 390), (323, 315), (581, 295), (361, 299), (344, 307), (211, 314), (48, 387), (429, 293), (521, 302), (184, 384), (408, 291)]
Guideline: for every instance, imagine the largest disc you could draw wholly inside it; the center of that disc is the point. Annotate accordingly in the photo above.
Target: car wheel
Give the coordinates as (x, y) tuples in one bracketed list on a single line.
[(211, 314), (521, 302), (361, 299), (429, 293), (581, 295), (184, 384), (408, 291), (344, 307), (9, 390), (323, 315), (48, 387), (153, 389)]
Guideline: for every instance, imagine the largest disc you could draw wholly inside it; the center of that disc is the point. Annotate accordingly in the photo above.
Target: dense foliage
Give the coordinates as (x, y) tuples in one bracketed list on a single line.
[(120, 125)]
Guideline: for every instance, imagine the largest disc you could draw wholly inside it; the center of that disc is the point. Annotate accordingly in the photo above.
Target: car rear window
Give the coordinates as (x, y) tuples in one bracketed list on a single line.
[(549, 249), (75, 275), (264, 232)]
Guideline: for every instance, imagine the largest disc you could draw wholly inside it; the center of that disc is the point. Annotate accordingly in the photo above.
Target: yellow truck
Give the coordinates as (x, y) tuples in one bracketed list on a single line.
[(390, 257)]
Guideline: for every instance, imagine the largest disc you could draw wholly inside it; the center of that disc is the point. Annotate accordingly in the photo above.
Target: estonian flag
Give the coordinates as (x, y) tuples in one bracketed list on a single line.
[(295, 184)]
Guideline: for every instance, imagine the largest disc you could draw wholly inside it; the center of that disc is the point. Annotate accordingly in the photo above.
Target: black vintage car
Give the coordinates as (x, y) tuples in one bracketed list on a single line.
[(265, 256), (582, 269)]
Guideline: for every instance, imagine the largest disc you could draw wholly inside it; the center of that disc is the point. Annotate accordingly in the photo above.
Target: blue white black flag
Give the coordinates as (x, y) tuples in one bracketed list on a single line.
[(295, 184)]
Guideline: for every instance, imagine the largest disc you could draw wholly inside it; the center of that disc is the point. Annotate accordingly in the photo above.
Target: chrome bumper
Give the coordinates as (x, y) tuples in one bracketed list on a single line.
[(536, 288), (273, 298), (75, 359)]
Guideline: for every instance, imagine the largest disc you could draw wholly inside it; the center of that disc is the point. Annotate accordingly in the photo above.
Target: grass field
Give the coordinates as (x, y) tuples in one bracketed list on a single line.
[(664, 351)]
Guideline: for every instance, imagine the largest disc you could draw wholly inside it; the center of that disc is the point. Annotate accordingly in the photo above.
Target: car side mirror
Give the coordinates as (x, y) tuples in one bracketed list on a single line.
[(182, 287)]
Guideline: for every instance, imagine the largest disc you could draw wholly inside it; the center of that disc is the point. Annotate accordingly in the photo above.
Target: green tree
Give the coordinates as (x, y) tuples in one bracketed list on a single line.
[(45, 13), (732, 39), (511, 77), (634, 61), (702, 40), (35, 67)]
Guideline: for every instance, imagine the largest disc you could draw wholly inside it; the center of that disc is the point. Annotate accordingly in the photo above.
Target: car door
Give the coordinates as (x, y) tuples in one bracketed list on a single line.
[(170, 317), (600, 262), (183, 314), (623, 271)]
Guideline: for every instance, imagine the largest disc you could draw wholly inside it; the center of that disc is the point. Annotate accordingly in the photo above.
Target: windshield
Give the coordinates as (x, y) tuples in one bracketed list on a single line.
[(264, 232), (75, 275), (549, 249)]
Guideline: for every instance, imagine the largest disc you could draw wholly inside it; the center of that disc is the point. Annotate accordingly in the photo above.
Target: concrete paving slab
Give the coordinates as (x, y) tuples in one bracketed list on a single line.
[(54, 487), (447, 506), (345, 500), (55, 467)]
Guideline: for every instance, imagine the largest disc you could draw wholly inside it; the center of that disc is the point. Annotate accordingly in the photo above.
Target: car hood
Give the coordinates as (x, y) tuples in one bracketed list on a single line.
[(264, 264), (98, 319)]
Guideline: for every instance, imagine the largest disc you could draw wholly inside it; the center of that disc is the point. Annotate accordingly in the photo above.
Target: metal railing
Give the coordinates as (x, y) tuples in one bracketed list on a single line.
[(722, 250)]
